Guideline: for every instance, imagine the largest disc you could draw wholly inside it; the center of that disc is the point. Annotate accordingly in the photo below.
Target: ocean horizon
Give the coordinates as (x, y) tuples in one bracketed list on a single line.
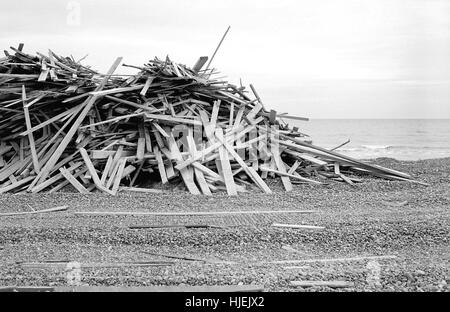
[(401, 139)]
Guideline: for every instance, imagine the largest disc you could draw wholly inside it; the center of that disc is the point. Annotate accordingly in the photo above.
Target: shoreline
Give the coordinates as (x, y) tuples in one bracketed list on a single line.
[(356, 220), (381, 158)]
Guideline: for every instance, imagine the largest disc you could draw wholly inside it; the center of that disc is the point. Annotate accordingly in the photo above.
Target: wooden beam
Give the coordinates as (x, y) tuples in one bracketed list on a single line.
[(119, 175), (199, 64), (16, 185), (90, 166), (148, 82), (361, 258), (51, 120), (257, 96), (292, 117), (211, 148), (30, 135), (53, 179), (218, 46), (252, 173), (161, 168), (140, 149), (185, 173), (225, 166), (331, 284), (199, 176), (187, 213), (72, 180), (204, 288), (298, 226), (148, 140), (89, 102), (274, 148), (294, 167), (106, 170), (289, 175), (140, 190), (174, 120), (60, 208)]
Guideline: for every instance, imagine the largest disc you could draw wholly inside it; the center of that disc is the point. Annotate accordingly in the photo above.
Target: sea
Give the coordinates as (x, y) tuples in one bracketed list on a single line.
[(401, 139)]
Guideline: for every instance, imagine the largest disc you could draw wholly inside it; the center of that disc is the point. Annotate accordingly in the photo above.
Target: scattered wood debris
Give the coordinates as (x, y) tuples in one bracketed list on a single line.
[(203, 288), (331, 284), (297, 267), (185, 213), (27, 289), (64, 123), (8, 214), (141, 190), (63, 264), (362, 258), (187, 226), (188, 258), (298, 226)]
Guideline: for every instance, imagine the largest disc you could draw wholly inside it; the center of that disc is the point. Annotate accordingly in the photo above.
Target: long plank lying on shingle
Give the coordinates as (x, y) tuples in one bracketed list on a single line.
[(186, 213), (331, 284), (8, 214)]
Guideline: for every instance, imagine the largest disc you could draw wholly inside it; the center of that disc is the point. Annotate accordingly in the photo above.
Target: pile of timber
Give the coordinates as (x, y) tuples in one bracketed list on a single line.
[(64, 123)]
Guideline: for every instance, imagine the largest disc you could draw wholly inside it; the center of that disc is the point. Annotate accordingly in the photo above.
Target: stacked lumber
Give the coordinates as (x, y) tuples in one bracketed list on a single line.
[(63, 123)]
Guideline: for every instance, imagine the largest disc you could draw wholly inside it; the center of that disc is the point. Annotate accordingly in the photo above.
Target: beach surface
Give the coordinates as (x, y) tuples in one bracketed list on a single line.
[(373, 218)]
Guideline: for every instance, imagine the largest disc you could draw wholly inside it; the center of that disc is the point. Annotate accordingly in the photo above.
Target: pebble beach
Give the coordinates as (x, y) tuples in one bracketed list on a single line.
[(373, 218)]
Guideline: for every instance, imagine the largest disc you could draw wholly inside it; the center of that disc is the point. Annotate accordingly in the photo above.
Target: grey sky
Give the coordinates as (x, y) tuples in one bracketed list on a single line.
[(320, 59)]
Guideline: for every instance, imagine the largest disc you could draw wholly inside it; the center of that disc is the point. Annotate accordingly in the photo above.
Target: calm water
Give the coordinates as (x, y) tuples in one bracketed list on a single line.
[(402, 139)]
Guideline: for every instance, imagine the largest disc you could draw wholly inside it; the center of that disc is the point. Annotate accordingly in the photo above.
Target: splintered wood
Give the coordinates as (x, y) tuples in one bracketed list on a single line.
[(64, 124)]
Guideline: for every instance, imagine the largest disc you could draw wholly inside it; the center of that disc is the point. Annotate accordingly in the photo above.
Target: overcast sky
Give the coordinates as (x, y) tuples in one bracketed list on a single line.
[(318, 59)]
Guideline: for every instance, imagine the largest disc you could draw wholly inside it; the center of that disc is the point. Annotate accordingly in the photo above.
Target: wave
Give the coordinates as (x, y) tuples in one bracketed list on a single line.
[(375, 148), (396, 152)]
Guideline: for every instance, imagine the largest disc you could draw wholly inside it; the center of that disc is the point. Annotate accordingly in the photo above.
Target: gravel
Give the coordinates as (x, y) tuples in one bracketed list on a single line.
[(356, 221)]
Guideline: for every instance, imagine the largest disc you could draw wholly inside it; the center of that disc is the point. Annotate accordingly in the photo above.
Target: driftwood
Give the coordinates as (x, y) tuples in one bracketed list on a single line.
[(331, 284), (63, 123), (298, 226), (187, 226), (225, 288), (8, 214), (185, 213), (140, 190), (188, 258), (363, 258), (63, 264)]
